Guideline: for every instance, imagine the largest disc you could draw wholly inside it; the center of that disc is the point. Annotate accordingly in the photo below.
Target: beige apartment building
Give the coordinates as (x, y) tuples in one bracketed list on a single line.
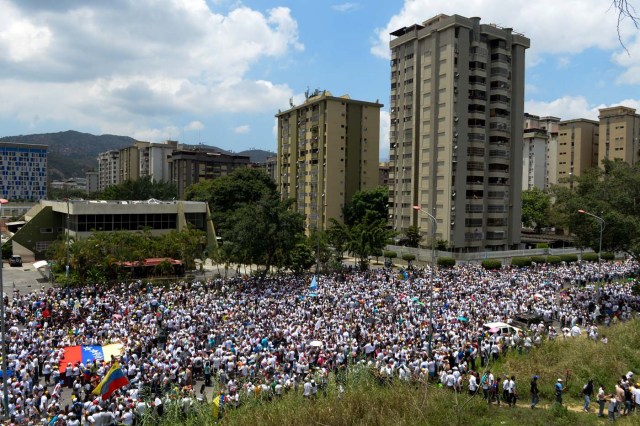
[(619, 134), (577, 148), (457, 108), (327, 151), (539, 151)]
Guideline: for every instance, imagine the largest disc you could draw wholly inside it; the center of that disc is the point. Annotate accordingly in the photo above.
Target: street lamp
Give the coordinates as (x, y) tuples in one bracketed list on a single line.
[(434, 227), (601, 220), (5, 395), (67, 268), (318, 213)]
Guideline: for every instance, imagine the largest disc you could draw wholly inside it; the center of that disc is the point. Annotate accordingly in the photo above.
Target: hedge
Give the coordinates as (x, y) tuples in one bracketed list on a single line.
[(542, 245), (569, 258), (491, 263), (390, 254), (521, 262), (539, 259), (446, 261), (590, 257), (608, 256), (554, 260)]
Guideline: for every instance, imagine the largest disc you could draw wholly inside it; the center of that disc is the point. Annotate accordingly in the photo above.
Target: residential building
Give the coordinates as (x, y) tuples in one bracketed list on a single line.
[(577, 149), (92, 182), (108, 169), (383, 174), (49, 221), (619, 134), (23, 168), (154, 160), (71, 184), (457, 108), (539, 151), (327, 151), (189, 166)]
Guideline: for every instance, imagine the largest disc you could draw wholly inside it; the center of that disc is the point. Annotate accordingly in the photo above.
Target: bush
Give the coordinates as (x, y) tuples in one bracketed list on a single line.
[(390, 254), (554, 260), (569, 258), (608, 256), (521, 262), (538, 259), (542, 245), (446, 262), (491, 263), (408, 257), (590, 257)]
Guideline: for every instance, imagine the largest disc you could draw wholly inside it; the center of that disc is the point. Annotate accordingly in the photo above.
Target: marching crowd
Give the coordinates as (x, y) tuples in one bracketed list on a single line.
[(251, 338)]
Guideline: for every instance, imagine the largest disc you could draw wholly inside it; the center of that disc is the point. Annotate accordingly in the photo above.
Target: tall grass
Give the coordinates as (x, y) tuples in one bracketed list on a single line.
[(367, 402)]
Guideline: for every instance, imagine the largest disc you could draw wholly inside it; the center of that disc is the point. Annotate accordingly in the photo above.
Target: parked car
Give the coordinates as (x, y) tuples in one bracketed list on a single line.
[(15, 260)]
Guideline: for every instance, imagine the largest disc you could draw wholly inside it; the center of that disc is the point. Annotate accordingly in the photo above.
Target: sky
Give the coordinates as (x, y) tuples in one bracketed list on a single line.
[(217, 71)]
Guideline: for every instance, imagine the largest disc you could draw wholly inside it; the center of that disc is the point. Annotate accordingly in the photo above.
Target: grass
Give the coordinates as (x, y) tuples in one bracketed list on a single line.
[(366, 402)]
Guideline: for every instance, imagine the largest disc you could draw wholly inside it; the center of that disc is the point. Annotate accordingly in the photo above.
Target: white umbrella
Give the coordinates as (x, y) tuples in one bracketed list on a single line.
[(315, 343)]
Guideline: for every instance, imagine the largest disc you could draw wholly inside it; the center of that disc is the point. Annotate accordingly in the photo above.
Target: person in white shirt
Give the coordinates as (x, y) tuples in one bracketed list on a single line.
[(575, 331), (473, 384)]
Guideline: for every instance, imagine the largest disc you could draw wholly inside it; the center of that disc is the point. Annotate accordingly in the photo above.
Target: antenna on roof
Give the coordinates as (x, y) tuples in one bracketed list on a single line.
[(306, 93), (291, 102)]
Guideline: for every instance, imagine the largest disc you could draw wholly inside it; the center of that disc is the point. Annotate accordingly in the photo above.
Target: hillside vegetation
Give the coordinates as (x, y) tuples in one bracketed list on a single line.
[(366, 402)]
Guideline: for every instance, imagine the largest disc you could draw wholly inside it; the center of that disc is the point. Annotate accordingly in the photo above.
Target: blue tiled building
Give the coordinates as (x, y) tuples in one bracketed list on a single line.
[(23, 171)]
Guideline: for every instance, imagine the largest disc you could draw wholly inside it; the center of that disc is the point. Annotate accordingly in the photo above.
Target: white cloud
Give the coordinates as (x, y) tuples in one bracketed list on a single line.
[(242, 130), (385, 127), (194, 126), (553, 26), (572, 107), (630, 61), (108, 64), (346, 7), (563, 62)]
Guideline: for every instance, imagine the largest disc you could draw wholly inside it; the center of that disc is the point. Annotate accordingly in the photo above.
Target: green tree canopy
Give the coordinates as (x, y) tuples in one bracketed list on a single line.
[(140, 189), (413, 236), (374, 201), (536, 205), (612, 193)]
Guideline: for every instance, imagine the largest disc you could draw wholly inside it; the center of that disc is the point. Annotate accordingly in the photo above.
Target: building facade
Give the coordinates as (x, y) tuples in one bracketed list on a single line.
[(23, 171), (154, 160), (457, 108), (327, 151), (577, 149), (539, 152), (47, 221), (619, 135), (187, 167), (108, 169)]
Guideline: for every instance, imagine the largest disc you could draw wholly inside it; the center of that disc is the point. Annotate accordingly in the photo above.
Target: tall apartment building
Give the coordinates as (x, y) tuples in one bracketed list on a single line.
[(23, 169), (189, 166), (457, 108), (92, 182), (577, 148), (154, 160), (619, 134), (327, 151), (108, 169), (539, 151)]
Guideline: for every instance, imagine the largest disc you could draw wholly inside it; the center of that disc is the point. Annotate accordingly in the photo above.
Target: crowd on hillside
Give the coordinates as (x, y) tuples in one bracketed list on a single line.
[(261, 338)]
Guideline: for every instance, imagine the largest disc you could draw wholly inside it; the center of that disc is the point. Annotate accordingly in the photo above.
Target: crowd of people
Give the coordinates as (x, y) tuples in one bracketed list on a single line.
[(260, 338)]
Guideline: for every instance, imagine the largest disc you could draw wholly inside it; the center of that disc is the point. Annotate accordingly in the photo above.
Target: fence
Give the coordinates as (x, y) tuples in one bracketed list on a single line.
[(424, 255)]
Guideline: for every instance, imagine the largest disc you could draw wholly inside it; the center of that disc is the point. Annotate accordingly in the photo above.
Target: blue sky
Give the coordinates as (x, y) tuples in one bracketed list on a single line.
[(217, 71)]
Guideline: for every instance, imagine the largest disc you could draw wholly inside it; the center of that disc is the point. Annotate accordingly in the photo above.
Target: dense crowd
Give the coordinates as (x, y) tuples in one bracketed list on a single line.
[(251, 337)]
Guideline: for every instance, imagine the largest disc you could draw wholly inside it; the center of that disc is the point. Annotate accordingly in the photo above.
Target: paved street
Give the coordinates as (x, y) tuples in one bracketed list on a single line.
[(24, 279)]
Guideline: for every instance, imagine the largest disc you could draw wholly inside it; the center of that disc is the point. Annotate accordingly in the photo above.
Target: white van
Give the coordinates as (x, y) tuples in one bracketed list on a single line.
[(503, 328)]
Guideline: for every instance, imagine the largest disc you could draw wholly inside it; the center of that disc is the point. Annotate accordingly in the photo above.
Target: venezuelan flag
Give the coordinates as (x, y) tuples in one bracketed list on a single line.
[(218, 403), (112, 381)]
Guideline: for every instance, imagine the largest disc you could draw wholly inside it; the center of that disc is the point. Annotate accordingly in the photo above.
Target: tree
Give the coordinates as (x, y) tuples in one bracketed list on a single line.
[(140, 189), (625, 11), (612, 193), (368, 238), (536, 205), (264, 232), (413, 236), (375, 201)]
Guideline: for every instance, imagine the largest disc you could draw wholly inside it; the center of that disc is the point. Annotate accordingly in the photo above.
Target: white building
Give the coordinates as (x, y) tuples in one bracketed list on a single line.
[(539, 151)]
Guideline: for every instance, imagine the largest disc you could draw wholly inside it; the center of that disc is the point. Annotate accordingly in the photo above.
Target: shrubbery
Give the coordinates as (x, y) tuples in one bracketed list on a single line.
[(539, 259), (491, 263), (446, 262), (569, 258), (590, 257), (554, 260), (521, 262)]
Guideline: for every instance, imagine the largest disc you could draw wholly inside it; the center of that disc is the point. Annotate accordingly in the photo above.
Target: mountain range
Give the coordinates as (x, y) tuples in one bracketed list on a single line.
[(72, 153)]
